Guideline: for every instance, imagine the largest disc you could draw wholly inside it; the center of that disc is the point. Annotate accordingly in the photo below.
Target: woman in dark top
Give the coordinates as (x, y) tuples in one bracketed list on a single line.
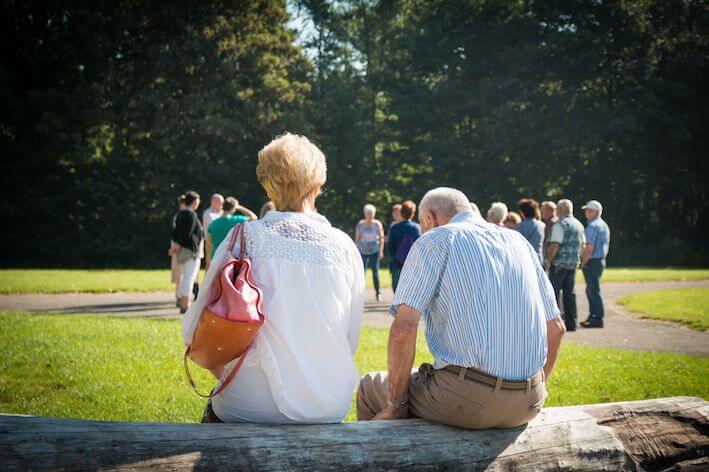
[(401, 237), (187, 244)]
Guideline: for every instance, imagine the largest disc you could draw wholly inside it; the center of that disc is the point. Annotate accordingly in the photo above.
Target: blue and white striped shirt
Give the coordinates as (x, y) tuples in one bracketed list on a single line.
[(484, 297)]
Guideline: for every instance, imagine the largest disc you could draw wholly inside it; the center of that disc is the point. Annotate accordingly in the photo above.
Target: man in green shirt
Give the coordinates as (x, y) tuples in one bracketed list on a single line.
[(220, 227)]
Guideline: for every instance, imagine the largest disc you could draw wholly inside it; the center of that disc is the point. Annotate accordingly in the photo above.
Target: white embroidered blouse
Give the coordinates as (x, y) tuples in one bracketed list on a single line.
[(301, 368)]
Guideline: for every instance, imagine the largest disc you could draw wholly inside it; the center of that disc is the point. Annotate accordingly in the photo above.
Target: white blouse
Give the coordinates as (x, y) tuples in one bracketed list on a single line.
[(301, 367)]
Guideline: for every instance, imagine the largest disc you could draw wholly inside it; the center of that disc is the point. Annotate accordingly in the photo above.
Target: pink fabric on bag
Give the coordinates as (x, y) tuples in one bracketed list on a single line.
[(237, 299)]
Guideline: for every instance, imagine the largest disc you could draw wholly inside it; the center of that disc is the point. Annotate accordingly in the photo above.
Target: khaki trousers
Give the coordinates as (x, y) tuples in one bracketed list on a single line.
[(447, 398)]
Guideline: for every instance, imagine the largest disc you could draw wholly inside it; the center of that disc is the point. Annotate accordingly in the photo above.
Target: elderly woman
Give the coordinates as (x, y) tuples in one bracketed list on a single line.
[(497, 213), (369, 238), (301, 369)]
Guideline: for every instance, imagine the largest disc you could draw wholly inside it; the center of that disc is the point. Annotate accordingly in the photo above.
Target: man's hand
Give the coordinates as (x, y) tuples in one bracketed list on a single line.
[(393, 413)]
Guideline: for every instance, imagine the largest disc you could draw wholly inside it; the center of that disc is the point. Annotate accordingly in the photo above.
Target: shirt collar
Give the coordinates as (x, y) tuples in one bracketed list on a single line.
[(467, 216), (275, 215)]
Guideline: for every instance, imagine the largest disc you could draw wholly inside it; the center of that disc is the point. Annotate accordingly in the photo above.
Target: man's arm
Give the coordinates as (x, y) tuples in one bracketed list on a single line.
[(555, 331), (586, 255), (550, 255), (248, 213), (401, 353)]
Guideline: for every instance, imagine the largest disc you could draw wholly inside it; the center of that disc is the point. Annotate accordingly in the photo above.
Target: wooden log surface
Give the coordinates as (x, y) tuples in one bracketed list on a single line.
[(662, 434)]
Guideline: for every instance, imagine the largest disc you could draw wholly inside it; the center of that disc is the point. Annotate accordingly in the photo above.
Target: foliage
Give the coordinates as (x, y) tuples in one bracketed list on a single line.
[(689, 306), (129, 369), (114, 108)]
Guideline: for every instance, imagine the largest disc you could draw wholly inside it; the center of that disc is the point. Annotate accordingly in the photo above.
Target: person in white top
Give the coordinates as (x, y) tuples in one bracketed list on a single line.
[(301, 368), (214, 211)]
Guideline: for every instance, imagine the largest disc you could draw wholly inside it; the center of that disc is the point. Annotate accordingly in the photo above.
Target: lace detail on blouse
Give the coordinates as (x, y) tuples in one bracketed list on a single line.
[(309, 240)]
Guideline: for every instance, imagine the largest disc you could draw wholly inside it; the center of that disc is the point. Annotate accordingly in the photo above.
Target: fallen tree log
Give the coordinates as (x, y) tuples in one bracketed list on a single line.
[(662, 434)]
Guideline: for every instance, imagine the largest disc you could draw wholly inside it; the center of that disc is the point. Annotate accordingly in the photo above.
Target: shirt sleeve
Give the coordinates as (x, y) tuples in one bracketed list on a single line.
[(557, 234), (546, 291), (591, 234), (420, 278)]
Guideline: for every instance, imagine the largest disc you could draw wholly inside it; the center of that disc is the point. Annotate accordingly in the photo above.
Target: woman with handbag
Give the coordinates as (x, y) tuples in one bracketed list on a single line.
[(309, 278), (188, 247)]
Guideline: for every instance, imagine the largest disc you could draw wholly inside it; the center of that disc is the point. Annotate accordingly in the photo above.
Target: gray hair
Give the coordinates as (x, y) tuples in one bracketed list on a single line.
[(369, 208), (566, 205), (444, 201), (475, 207), (497, 212)]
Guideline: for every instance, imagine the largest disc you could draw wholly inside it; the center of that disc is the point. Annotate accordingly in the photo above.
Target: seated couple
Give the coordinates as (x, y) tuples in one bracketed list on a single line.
[(492, 322)]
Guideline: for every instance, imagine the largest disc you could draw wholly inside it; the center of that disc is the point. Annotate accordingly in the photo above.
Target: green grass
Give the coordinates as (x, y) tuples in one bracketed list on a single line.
[(102, 281), (129, 369), (81, 280), (689, 306)]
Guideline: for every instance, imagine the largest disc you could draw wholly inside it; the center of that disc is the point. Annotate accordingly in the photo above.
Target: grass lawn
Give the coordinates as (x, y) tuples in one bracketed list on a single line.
[(119, 280), (129, 369), (689, 306)]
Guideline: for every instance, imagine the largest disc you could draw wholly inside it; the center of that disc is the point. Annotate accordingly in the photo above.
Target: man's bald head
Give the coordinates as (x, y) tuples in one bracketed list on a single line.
[(441, 204)]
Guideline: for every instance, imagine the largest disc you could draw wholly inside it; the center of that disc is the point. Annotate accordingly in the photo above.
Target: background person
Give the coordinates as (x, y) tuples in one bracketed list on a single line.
[(474, 206), (188, 245), (562, 259), (369, 238), (395, 214), (175, 270), (512, 220), (301, 368), (548, 211), (497, 213), (401, 237), (492, 351), (593, 262), (214, 211), (268, 206), (220, 227), (531, 228)]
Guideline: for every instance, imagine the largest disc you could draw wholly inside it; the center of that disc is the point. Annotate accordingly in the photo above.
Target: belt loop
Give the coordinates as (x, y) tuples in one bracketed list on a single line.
[(461, 373), (498, 383), (529, 385)]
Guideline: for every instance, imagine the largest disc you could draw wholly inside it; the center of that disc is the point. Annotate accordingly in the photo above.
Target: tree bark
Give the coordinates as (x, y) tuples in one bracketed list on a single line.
[(661, 434)]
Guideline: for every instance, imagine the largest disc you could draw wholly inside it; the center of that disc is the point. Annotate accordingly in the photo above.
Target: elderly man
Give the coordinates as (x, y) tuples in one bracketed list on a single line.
[(593, 262), (492, 325), (548, 211), (497, 213), (563, 255), (215, 210)]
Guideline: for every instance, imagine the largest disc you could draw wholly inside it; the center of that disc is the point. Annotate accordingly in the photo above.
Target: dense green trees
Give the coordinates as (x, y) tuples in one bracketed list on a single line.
[(113, 108)]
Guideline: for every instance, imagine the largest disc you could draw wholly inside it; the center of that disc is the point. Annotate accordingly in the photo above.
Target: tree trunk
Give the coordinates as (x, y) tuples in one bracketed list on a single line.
[(662, 434)]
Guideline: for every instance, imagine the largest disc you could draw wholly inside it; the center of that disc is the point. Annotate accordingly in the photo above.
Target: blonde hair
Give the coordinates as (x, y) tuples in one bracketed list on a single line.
[(548, 205), (291, 169)]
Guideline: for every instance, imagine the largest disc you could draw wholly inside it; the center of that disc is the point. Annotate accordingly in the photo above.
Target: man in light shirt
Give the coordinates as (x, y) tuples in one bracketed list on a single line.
[(563, 257), (593, 262), (492, 325), (214, 211)]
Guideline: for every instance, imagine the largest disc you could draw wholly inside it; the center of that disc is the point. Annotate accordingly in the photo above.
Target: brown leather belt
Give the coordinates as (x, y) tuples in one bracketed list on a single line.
[(481, 377)]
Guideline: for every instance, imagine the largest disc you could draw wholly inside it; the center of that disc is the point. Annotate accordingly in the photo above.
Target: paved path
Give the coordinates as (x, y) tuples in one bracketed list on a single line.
[(623, 330)]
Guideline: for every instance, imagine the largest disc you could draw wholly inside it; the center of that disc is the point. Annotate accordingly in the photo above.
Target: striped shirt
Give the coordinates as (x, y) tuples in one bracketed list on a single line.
[(483, 295)]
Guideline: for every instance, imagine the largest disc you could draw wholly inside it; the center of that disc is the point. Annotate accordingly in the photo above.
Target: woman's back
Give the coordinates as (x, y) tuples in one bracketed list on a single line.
[(301, 368)]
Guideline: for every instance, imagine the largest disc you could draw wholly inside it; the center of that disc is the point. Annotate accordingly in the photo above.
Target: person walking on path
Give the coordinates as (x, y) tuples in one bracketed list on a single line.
[(492, 351), (402, 236), (175, 269), (214, 211), (188, 245), (593, 262), (563, 256), (369, 238), (531, 228), (220, 227)]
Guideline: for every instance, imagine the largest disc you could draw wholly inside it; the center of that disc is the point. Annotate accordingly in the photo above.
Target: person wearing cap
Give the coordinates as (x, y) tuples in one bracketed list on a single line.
[(593, 262)]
